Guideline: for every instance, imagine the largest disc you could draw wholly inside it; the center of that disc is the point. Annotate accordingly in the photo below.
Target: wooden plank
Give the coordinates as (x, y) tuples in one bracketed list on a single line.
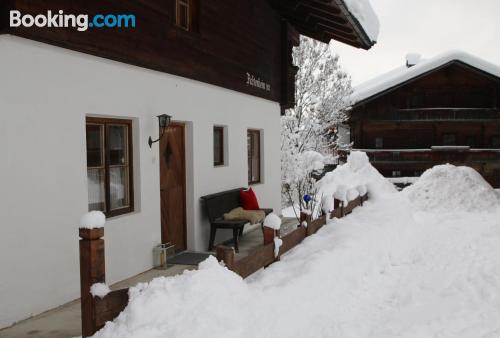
[(292, 239), (315, 225), (254, 262), (110, 306)]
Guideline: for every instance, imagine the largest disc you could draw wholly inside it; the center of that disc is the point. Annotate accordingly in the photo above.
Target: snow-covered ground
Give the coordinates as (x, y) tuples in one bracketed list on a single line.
[(390, 269)]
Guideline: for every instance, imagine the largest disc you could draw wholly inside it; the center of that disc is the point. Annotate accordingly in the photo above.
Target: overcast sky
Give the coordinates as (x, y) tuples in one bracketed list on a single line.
[(428, 27)]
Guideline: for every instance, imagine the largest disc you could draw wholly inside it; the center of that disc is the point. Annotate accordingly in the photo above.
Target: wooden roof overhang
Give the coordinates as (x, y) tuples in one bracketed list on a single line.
[(324, 20)]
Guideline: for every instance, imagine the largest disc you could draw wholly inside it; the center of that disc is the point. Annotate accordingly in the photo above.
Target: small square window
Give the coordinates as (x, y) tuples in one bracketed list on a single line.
[(449, 140), (186, 14), (379, 142), (495, 141), (471, 141), (396, 173), (218, 146)]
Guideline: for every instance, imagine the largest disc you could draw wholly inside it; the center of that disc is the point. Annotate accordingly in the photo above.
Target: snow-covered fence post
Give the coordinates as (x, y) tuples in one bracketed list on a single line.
[(338, 204), (225, 254), (305, 217), (272, 225), (92, 266)]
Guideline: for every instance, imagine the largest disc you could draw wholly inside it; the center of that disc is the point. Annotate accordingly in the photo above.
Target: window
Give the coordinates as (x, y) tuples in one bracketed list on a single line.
[(471, 141), (253, 138), (218, 146), (379, 142), (495, 141), (185, 14), (449, 139), (396, 173), (109, 169)]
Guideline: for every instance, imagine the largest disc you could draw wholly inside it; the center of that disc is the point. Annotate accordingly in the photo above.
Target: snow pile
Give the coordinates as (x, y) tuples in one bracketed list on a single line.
[(355, 177), (99, 290), (450, 188), (278, 242), (272, 221), (362, 10), (384, 271), (92, 220)]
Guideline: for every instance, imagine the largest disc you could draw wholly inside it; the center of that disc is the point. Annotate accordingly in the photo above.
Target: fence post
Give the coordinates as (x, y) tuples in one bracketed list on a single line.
[(339, 204), (269, 235), (305, 217), (225, 254), (92, 270)]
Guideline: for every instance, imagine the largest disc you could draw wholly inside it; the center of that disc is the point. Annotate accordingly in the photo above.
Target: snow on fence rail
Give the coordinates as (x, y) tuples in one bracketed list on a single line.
[(96, 311)]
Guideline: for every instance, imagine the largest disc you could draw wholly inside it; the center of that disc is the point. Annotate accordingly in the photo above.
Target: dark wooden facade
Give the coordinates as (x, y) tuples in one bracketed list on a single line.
[(448, 115), (229, 40)]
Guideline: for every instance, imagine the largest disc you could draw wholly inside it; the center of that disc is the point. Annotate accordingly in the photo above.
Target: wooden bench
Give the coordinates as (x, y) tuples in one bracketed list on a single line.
[(216, 206)]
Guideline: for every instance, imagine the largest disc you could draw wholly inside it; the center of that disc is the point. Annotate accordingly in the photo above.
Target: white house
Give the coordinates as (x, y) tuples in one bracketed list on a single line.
[(77, 109)]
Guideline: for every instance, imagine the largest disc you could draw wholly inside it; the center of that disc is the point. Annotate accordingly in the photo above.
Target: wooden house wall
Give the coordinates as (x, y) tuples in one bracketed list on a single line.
[(232, 38), (455, 86)]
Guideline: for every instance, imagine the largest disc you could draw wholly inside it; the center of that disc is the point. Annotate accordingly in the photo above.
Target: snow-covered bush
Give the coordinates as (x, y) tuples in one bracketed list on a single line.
[(309, 130)]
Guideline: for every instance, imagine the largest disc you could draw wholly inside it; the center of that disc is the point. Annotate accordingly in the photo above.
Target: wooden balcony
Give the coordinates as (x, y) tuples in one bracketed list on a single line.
[(441, 114)]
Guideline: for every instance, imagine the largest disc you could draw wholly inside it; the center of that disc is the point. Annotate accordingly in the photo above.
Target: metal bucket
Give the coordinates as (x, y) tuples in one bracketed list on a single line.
[(161, 253)]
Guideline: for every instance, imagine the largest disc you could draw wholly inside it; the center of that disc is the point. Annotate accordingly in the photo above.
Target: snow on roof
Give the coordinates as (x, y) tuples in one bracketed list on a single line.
[(402, 74), (363, 11)]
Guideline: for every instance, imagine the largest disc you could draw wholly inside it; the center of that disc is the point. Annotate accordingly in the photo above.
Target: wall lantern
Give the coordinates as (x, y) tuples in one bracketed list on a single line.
[(163, 123)]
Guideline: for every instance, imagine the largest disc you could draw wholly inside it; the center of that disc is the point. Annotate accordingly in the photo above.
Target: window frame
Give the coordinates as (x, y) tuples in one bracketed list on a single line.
[(106, 123), (192, 15), (450, 135), (222, 162), (250, 157), (379, 142)]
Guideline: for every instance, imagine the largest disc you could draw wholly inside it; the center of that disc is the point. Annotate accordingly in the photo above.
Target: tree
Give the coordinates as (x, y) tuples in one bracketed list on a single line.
[(309, 131)]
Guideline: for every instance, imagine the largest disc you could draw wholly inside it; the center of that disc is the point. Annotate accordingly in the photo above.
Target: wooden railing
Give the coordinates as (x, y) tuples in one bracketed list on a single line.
[(96, 311), (265, 256)]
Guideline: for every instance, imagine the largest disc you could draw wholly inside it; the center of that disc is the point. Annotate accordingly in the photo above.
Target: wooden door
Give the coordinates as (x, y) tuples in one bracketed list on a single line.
[(173, 186)]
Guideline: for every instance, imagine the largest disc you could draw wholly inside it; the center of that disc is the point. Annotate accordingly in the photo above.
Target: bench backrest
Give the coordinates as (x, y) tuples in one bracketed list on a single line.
[(222, 202)]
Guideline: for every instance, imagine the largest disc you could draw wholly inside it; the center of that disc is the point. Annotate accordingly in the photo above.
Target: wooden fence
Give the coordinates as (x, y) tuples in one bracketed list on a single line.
[(96, 311)]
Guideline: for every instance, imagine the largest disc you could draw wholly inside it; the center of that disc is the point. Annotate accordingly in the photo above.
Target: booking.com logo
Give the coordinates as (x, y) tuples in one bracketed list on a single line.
[(81, 22)]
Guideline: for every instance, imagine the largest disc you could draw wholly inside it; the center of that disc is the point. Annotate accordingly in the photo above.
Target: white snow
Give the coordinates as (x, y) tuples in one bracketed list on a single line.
[(412, 59), (403, 74), (92, 220), (389, 269), (447, 188), (363, 11), (278, 242), (327, 204), (355, 173), (272, 221), (99, 290), (352, 194)]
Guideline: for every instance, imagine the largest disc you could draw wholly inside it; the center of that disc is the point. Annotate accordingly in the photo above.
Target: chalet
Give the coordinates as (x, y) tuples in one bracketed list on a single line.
[(442, 110), (78, 124)]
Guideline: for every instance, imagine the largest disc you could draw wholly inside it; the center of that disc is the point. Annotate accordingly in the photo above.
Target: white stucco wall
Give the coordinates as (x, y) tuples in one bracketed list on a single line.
[(45, 94)]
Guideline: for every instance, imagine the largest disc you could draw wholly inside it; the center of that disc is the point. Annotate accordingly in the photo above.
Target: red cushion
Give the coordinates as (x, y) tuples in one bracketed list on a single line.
[(248, 200)]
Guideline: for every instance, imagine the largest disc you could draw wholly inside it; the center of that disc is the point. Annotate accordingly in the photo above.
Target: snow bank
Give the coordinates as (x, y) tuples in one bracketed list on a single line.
[(99, 290), (272, 221), (450, 188), (355, 178), (384, 271), (92, 220), (362, 10)]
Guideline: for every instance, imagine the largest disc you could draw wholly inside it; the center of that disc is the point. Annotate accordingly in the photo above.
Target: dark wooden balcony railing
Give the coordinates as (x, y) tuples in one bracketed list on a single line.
[(430, 156), (438, 114)]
